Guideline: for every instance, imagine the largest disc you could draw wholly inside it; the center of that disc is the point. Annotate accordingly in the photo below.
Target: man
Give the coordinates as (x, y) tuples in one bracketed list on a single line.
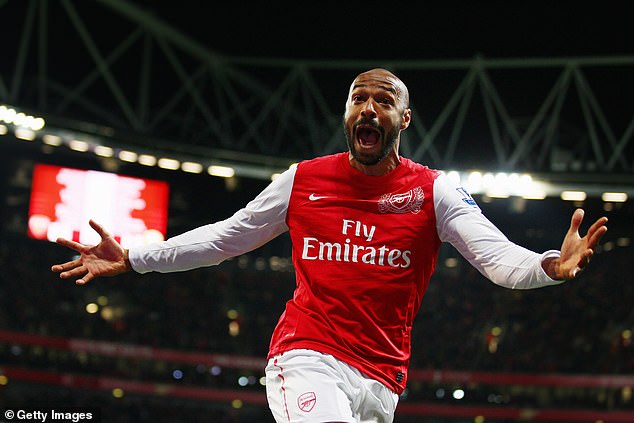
[(366, 226)]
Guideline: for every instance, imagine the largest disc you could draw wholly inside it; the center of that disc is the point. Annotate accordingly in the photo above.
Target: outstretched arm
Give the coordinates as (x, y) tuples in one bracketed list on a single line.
[(107, 258), (461, 223), (576, 251)]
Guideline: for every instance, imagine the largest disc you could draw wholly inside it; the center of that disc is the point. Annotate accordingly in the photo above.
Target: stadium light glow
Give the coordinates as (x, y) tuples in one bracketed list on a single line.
[(38, 124), (104, 151), (451, 262), (614, 197), (24, 134), (92, 308), (497, 193), (128, 156), (234, 328), (192, 167), (107, 313), (534, 194), (19, 119), (488, 185), (458, 394), (78, 145), (501, 184), (147, 160), (168, 163), (52, 140), (222, 171), (7, 114), (573, 195)]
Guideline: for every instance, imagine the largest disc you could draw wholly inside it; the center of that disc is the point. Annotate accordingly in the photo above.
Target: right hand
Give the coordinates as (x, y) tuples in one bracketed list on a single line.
[(576, 251), (107, 258)]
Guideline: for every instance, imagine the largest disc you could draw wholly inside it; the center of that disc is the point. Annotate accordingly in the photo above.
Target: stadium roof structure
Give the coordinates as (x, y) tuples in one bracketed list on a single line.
[(114, 79)]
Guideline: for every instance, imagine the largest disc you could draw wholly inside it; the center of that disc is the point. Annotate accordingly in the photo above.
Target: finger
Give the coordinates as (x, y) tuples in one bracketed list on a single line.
[(574, 272), (66, 266), (80, 270), (595, 237), (83, 281), (71, 244), (575, 221), (600, 223), (99, 229), (596, 231)]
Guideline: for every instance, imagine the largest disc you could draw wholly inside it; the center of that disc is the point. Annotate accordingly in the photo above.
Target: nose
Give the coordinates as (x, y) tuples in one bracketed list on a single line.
[(368, 109)]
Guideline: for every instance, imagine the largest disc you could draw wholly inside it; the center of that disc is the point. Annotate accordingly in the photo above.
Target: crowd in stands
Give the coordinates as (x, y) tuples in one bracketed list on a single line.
[(465, 323)]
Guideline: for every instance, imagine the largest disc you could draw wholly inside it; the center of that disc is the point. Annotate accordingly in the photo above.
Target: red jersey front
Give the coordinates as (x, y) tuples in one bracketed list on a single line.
[(364, 249)]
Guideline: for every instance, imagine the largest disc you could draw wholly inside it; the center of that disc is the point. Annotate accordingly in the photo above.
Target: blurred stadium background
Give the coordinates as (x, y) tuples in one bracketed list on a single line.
[(123, 90)]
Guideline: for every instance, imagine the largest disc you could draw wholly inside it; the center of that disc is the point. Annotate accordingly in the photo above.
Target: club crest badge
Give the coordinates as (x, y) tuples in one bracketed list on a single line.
[(307, 401), (408, 202)]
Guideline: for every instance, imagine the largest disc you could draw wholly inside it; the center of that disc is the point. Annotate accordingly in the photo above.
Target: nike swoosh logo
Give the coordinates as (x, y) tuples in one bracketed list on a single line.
[(313, 197)]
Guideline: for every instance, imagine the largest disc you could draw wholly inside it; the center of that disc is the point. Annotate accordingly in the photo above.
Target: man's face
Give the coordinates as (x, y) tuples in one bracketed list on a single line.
[(375, 114)]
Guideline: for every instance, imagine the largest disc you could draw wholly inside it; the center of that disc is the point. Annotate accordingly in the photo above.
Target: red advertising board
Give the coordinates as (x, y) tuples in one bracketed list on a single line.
[(63, 200)]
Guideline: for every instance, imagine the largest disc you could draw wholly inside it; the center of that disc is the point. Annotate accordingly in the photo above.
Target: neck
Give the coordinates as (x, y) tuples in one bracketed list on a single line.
[(385, 166)]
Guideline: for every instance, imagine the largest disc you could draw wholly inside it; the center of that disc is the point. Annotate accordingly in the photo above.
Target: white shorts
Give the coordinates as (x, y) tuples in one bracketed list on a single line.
[(305, 386)]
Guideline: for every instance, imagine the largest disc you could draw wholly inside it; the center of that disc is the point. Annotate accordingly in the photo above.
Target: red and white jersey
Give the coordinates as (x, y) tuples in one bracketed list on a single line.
[(364, 249)]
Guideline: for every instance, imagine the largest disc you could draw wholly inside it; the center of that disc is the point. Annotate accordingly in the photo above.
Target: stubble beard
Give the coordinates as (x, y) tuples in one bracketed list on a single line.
[(387, 140)]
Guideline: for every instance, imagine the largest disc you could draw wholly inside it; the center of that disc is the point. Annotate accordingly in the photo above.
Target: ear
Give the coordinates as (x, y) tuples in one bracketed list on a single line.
[(407, 118)]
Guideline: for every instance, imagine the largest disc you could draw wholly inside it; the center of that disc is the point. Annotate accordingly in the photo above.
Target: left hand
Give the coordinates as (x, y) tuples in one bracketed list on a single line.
[(108, 258), (576, 251)]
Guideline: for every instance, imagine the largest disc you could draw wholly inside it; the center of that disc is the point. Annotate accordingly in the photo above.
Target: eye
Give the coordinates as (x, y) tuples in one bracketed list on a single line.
[(357, 98)]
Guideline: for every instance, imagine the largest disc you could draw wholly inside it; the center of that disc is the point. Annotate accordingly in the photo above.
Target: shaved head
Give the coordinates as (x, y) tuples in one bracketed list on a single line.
[(377, 111), (390, 81)]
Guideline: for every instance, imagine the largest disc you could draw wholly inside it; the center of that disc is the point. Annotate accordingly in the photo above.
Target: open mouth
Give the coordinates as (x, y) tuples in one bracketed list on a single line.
[(368, 136)]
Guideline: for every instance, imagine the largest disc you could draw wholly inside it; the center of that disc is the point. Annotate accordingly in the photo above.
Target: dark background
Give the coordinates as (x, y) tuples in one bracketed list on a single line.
[(404, 29), (571, 329)]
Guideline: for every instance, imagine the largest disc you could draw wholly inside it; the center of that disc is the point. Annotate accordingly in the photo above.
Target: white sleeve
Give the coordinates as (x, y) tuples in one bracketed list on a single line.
[(263, 219), (460, 222)]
